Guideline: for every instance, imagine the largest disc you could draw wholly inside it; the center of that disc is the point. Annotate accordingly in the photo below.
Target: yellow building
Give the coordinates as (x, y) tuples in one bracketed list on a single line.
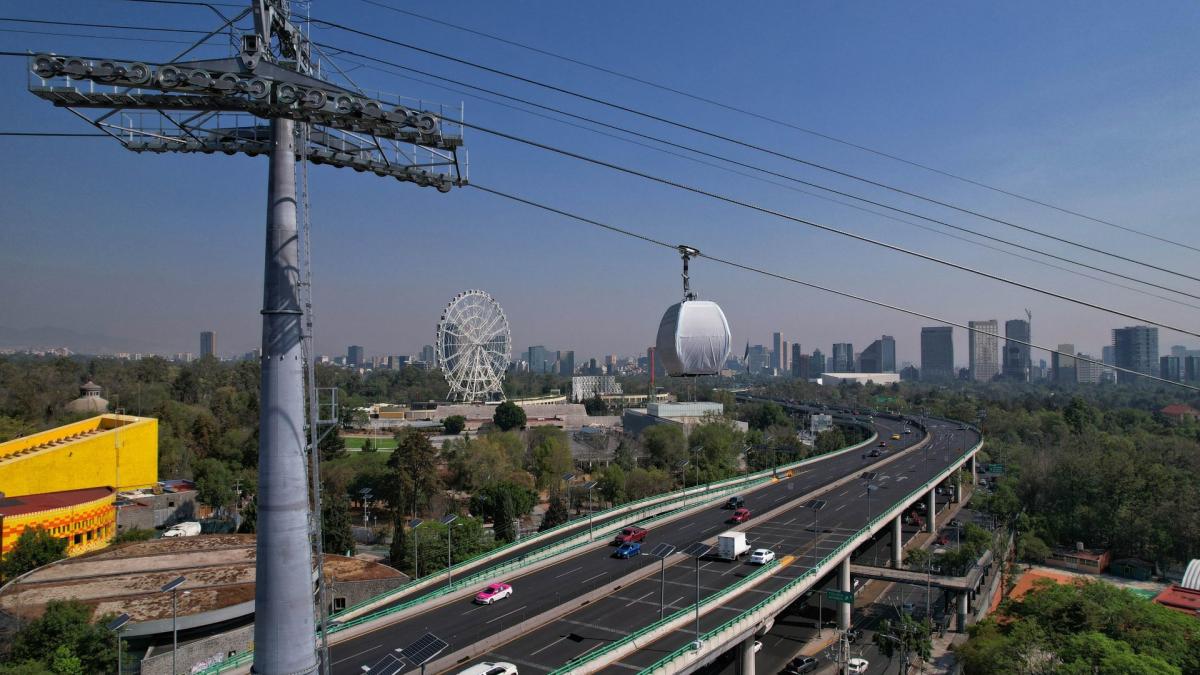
[(66, 479)]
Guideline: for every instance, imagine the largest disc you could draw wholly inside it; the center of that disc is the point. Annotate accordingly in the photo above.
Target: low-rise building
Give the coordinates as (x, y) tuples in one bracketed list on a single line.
[(1080, 559)]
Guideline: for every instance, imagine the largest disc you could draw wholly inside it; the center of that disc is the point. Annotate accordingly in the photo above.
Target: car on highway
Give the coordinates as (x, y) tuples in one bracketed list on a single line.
[(943, 539), (857, 666), (853, 635), (493, 592), (895, 437), (762, 556), (874, 453), (908, 431), (628, 550), (631, 534), (735, 502), (908, 608), (800, 665), (739, 516), (883, 444), (490, 668)]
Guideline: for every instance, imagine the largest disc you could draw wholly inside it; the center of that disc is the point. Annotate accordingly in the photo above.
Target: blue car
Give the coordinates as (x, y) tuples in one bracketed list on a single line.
[(628, 550)]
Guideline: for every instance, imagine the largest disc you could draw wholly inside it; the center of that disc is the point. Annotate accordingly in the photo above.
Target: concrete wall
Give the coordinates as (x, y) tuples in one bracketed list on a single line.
[(343, 594), (108, 450), (153, 511), (196, 656)]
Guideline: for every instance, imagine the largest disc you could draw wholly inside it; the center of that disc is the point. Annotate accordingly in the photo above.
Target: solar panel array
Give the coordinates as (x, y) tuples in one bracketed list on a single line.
[(424, 649)]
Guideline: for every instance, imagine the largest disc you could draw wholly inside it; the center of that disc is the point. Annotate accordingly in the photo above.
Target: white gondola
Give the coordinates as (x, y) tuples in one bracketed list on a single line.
[(693, 336), (693, 339)]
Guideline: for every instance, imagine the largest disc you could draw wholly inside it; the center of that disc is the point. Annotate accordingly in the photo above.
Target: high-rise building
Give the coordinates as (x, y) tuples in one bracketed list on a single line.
[(1109, 355), (879, 356), (784, 359), (816, 364), (843, 358), (566, 363), (610, 364), (1135, 348), (354, 356), (1063, 365), (984, 349), (538, 359), (937, 353), (777, 351), (208, 344), (1179, 350), (1087, 372), (1170, 368), (428, 355), (758, 360), (796, 368), (397, 362), (1016, 355), (1191, 369)]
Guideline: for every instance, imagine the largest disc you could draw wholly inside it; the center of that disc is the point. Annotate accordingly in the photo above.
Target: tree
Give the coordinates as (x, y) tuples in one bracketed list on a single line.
[(332, 445), (665, 445), (907, 637), (214, 483), (550, 455), (488, 502), (454, 424), (411, 480), (63, 637), (612, 484), (642, 483), (509, 416), (249, 517), (503, 527), (831, 440), (336, 531), (556, 513), (131, 535), (767, 414), (623, 456), (595, 406), (34, 548)]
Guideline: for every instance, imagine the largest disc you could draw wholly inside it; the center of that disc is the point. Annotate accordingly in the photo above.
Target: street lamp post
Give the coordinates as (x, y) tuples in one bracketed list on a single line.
[(871, 487), (661, 552), (413, 525), (115, 626), (567, 481), (682, 466), (589, 486), (172, 587), (697, 551), (447, 520)]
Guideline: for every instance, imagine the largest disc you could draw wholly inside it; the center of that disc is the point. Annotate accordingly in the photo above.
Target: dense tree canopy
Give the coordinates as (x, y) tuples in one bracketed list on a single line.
[(34, 548)]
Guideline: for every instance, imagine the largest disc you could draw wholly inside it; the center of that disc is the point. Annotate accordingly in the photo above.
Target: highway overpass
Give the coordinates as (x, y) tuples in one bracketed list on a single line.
[(567, 610)]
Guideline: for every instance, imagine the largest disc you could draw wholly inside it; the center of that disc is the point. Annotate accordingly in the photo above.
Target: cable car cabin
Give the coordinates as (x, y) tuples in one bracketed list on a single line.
[(693, 339)]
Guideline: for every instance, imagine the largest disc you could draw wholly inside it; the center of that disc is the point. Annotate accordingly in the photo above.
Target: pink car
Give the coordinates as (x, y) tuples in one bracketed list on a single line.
[(493, 593)]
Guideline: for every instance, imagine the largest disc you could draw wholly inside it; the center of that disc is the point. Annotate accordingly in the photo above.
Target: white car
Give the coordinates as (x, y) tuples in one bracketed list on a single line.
[(857, 666), (761, 556), (488, 668)]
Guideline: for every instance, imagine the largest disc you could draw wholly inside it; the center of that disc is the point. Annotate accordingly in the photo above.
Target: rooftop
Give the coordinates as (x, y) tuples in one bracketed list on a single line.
[(127, 578), (19, 506)]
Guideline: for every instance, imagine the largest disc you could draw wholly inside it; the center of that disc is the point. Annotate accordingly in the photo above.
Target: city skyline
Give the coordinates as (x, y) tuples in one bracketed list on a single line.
[(360, 239)]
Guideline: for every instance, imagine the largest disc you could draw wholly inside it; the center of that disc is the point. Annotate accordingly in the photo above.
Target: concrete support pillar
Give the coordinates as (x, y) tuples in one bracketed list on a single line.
[(746, 654), (932, 508), (897, 543), (958, 492), (974, 472), (844, 607), (962, 612)]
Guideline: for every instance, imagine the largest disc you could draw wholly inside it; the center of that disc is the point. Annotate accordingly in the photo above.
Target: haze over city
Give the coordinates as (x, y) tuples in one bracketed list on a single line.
[(1093, 116)]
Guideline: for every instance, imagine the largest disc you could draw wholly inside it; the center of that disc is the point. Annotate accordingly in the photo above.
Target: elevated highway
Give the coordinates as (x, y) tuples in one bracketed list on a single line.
[(563, 611)]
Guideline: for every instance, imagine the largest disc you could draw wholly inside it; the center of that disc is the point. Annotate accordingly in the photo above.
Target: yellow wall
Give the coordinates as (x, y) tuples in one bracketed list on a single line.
[(107, 450), (85, 527)]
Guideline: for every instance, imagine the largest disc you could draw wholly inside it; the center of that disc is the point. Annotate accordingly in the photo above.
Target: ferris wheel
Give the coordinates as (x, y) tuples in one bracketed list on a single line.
[(473, 341)]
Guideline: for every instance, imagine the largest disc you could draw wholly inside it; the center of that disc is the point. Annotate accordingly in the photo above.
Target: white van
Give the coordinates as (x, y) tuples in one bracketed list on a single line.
[(486, 668)]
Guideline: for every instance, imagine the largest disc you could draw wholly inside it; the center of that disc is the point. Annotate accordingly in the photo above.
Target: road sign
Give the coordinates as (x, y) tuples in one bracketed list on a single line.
[(996, 468), (839, 596)]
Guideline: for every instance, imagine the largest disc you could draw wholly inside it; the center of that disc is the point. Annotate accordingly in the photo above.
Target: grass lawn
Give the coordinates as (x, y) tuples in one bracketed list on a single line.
[(381, 443)]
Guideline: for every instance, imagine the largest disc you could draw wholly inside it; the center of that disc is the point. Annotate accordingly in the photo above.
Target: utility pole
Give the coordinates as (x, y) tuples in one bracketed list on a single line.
[(264, 99)]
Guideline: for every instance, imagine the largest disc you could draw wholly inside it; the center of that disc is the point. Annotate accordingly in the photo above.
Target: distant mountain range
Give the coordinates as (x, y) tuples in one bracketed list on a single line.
[(45, 337)]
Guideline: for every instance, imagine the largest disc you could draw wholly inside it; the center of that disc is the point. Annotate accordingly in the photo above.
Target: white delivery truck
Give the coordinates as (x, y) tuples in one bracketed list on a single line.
[(188, 529), (732, 545)]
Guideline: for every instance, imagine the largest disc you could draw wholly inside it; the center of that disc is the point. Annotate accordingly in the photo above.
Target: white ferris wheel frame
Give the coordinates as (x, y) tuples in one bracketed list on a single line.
[(475, 370)]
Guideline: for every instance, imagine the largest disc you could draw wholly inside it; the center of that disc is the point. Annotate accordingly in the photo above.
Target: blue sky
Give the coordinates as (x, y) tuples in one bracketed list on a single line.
[(1087, 105)]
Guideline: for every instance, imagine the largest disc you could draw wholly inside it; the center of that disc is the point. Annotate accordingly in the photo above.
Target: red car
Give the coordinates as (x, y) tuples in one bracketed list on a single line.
[(631, 535), (740, 516), (943, 539)]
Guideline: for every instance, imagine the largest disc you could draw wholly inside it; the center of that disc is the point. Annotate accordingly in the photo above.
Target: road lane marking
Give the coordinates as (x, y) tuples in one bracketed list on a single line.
[(535, 653), (506, 614), (593, 577), (840, 507), (639, 599), (357, 654), (569, 572)]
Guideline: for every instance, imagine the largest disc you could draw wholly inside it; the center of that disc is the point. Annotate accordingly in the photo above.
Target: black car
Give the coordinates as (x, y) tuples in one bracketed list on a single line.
[(735, 502), (800, 664), (853, 635)]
